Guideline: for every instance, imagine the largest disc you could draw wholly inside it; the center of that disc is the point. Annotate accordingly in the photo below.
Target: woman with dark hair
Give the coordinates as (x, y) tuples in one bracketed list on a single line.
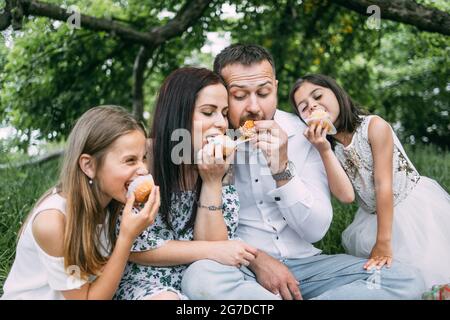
[(401, 213), (196, 203)]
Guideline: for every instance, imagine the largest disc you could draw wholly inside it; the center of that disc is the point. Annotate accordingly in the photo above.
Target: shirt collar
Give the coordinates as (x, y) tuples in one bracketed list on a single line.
[(285, 121)]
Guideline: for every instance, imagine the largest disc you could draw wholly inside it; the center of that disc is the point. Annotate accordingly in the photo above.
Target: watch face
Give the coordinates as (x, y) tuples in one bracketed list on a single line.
[(290, 169)]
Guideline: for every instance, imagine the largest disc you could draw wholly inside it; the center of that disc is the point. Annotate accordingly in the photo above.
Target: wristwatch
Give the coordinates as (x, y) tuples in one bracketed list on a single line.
[(287, 174)]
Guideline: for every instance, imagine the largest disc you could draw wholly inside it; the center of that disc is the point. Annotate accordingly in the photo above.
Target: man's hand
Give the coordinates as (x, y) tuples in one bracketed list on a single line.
[(273, 142), (275, 277)]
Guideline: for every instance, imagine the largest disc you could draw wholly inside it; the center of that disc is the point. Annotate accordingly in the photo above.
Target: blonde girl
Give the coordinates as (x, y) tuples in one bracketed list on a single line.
[(67, 248)]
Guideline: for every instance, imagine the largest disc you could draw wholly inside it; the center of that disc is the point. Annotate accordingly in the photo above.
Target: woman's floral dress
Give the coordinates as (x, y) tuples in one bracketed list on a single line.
[(140, 281)]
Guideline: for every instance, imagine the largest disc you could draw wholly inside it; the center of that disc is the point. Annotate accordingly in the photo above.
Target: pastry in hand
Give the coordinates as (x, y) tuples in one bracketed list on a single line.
[(228, 145), (248, 129), (141, 186), (321, 115)]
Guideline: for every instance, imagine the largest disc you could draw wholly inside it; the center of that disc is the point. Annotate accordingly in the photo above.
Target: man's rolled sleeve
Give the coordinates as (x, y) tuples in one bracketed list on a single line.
[(305, 202)]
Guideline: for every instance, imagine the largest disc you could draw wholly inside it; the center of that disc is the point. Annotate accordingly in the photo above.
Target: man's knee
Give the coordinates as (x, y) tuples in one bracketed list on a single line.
[(201, 280), (410, 280), (416, 282)]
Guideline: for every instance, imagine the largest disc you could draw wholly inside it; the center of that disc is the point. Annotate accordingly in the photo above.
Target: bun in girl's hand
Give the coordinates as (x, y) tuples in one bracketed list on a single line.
[(321, 115), (141, 186)]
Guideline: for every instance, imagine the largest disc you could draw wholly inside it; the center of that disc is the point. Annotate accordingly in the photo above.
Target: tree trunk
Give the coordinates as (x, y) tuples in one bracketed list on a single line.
[(138, 81)]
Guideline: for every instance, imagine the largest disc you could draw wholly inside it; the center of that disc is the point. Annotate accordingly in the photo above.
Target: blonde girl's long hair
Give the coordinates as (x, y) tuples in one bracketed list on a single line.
[(94, 133)]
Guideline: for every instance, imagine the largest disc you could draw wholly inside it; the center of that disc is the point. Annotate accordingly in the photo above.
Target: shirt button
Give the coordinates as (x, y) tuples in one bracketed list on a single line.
[(284, 218), (261, 202), (278, 237), (256, 180)]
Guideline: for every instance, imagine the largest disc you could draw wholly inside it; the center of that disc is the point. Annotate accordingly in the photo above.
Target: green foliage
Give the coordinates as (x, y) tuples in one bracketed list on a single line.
[(19, 191), (413, 84), (53, 74), (397, 72)]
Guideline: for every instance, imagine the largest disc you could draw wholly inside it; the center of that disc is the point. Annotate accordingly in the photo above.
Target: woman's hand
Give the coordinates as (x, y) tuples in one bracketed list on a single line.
[(133, 224), (233, 253), (211, 164), (381, 255), (316, 133)]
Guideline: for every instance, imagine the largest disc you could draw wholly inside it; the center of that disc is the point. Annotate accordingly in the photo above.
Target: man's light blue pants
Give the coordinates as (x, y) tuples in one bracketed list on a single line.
[(339, 277)]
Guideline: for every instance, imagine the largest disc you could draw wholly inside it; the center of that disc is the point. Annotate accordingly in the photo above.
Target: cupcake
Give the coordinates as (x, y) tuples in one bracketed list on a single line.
[(321, 115), (141, 186)]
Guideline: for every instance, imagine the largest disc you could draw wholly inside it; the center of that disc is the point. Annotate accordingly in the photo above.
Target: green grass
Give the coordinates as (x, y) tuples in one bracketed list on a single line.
[(21, 188)]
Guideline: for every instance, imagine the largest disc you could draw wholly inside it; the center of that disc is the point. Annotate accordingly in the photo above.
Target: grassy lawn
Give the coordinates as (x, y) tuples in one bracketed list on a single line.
[(21, 188), (18, 192)]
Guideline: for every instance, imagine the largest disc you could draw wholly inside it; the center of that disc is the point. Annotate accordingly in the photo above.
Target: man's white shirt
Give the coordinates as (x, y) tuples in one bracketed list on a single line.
[(283, 221)]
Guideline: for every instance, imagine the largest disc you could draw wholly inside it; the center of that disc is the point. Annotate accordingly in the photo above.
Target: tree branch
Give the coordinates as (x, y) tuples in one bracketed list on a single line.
[(405, 11), (188, 14), (186, 17), (37, 8), (191, 11)]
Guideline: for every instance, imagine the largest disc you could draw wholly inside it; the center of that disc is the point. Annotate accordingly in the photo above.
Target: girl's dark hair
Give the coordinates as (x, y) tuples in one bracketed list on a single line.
[(174, 110), (349, 113)]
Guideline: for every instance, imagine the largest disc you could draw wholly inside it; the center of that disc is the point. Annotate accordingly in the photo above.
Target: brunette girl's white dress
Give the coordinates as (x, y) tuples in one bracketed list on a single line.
[(421, 222)]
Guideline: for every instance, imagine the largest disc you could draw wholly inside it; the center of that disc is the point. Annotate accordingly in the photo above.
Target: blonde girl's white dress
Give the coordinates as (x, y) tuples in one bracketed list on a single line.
[(35, 275), (421, 222)]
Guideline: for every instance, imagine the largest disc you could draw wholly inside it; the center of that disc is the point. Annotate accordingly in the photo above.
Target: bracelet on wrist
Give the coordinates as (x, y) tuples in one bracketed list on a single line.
[(210, 208)]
